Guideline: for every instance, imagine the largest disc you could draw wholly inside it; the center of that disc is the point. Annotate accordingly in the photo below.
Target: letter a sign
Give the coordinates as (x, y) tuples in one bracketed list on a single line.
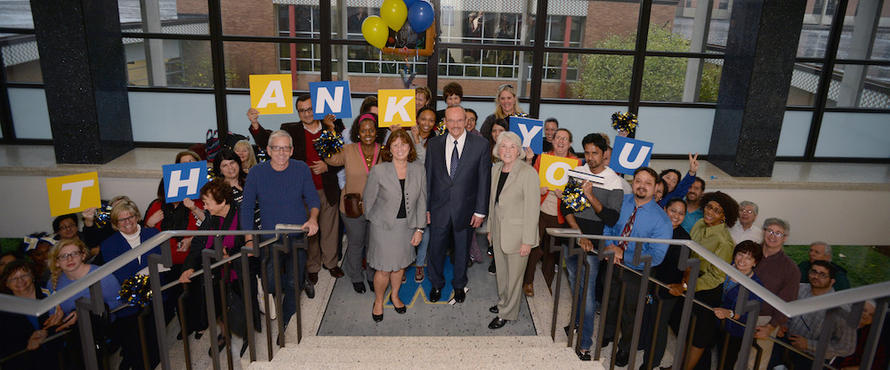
[(629, 154), (330, 97), (184, 180), (272, 94), (74, 193), (554, 171), (396, 107)]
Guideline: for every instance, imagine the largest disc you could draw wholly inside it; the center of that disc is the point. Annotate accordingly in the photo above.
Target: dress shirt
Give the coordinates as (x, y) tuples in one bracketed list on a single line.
[(449, 146), (841, 340), (739, 234), (651, 222)]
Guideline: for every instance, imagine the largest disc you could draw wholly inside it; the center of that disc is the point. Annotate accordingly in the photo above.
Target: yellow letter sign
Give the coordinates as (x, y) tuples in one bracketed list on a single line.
[(396, 107), (74, 193), (554, 171), (272, 94)]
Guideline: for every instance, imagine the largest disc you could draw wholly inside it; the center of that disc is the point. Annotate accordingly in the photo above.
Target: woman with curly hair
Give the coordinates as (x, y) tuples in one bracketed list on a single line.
[(720, 213)]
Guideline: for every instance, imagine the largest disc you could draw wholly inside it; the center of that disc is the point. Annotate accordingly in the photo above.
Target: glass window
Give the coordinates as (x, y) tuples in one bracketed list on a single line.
[(16, 14), (598, 23), (30, 115), (581, 119), (675, 79), (243, 59), (177, 16), (675, 130), (187, 63), (269, 18), (804, 84), (860, 86), (672, 28), (486, 22), (858, 41), (368, 70), (185, 117), (860, 135), (795, 131), (21, 58), (816, 27)]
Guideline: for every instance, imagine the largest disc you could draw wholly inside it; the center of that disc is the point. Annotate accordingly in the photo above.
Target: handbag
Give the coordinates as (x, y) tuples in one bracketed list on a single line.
[(352, 204)]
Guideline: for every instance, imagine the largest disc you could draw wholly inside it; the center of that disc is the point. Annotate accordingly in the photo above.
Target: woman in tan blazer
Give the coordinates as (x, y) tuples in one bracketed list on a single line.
[(357, 159), (513, 223)]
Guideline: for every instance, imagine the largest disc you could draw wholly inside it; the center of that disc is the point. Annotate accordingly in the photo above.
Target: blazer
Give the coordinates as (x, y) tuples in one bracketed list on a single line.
[(467, 193), (116, 245), (383, 196), (355, 169), (329, 181), (513, 221)]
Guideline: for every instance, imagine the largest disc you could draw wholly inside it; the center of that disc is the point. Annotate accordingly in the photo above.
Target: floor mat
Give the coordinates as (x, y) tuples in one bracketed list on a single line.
[(349, 313)]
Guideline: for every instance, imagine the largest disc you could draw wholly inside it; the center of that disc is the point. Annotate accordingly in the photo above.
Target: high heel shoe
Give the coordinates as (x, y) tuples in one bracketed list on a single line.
[(220, 345), (399, 310), (376, 317)]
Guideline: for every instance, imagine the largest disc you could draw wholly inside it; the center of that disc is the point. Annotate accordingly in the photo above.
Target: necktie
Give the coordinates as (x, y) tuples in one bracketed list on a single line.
[(628, 227), (454, 160)]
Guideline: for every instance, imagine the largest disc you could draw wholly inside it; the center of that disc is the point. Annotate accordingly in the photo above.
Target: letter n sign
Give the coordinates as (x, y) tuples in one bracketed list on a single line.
[(629, 154), (74, 193), (184, 180), (330, 97), (396, 107), (272, 94), (531, 131)]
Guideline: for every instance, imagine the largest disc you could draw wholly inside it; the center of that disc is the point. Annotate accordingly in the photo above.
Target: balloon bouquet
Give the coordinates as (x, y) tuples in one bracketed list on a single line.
[(405, 35)]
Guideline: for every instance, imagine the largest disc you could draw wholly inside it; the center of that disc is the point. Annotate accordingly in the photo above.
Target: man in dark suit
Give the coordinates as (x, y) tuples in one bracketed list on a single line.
[(322, 248), (458, 170)]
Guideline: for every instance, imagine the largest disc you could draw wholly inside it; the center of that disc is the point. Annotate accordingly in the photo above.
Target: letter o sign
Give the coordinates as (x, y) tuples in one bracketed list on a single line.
[(563, 178)]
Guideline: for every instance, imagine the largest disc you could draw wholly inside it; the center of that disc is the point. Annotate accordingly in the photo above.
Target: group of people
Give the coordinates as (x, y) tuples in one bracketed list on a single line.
[(414, 196)]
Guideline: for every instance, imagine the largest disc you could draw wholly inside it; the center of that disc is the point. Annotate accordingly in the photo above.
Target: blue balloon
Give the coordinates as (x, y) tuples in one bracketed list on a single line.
[(408, 3), (421, 15)]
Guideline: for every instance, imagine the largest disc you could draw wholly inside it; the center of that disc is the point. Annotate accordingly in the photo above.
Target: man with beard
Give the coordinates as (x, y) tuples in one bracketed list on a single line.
[(693, 204), (640, 217)]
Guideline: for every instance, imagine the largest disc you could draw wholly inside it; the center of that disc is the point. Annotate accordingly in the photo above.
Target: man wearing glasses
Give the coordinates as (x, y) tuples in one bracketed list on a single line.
[(803, 332), (322, 247), (745, 228), (285, 193), (779, 275)]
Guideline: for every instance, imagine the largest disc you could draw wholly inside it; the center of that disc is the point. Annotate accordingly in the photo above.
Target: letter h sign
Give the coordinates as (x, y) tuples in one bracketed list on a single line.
[(184, 180)]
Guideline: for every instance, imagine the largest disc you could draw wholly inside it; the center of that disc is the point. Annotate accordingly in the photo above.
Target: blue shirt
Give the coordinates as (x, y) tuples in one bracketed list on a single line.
[(651, 222), (691, 218), (284, 196), (110, 289)]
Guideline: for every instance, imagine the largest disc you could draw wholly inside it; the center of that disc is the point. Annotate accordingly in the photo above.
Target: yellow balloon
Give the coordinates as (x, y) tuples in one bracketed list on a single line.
[(394, 13), (375, 31)]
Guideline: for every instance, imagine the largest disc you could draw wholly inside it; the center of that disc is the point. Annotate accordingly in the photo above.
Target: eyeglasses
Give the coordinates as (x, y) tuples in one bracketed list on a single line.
[(819, 274), (561, 138), (505, 86), (127, 219), (276, 148), (747, 211), (19, 278), (66, 256), (67, 227), (777, 234), (307, 110)]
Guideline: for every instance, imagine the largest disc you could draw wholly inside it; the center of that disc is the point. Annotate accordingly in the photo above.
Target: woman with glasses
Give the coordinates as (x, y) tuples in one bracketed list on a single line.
[(67, 264), (720, 213), (22, 334), (506, 104), (745, 257)]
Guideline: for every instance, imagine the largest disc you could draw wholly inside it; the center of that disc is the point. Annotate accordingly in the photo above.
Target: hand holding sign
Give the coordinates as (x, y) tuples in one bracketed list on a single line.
[(330, 97), (272, 94), (530, 130)]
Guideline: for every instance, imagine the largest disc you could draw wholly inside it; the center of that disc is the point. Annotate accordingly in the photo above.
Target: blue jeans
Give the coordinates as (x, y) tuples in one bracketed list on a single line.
[(288, 283), (590, 304), (421, 249)]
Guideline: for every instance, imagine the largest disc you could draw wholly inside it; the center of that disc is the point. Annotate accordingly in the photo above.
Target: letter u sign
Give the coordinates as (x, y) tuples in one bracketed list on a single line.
[(629, 154)]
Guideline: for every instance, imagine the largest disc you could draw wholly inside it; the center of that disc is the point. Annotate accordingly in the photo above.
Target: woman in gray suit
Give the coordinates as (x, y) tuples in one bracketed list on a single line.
[(513, 218), (395, 204)]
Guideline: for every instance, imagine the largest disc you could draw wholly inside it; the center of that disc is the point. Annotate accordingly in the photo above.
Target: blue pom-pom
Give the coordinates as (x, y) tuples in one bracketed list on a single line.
[(328, 144), (135, 291)]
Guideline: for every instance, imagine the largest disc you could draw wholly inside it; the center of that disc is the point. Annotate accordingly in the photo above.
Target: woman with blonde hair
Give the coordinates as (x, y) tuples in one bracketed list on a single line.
[(245, 151), (67, 264), (506, 104)]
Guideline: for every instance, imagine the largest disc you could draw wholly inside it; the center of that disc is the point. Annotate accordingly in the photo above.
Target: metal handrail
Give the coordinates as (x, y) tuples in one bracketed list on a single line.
[(790, 309), (25, 306)]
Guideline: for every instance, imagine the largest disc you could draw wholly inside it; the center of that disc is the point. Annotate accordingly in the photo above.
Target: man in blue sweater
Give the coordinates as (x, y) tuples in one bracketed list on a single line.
[(284, 191)]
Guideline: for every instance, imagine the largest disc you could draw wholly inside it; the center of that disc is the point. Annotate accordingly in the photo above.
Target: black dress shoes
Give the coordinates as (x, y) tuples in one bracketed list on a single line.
[(493, 309), (377, 318), (370, 285), (497, 323), (400, 310), (359, 287), (583, 355), (460, 296), (435, 294), (621, 358), (310, 290)]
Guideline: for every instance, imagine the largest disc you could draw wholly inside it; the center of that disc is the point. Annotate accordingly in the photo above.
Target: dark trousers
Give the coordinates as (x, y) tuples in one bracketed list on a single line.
[(126, 332), (542, 253), (440, 239), (628, 309), (288, 281), (661, 328)]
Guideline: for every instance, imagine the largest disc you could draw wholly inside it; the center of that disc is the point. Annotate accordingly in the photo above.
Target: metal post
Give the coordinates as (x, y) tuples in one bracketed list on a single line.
[(582, 308), (604, 312), (140, 326), (616, 333), (294, 248), (641, 296), (824, 338), (207, 258), (85, 328), (183, 324), (556, 292), (223, 302), (248, 295), (693, 264), (264, 277), (276, 267), (871, 345), (157, 305)]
